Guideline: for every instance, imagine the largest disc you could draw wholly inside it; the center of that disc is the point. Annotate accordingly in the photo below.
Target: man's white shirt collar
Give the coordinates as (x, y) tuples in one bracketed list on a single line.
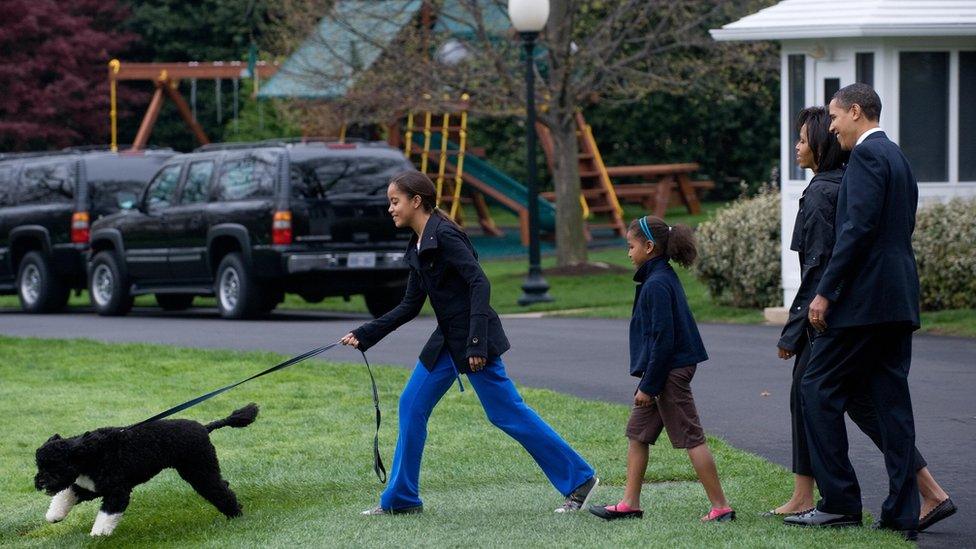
[(866, 134)]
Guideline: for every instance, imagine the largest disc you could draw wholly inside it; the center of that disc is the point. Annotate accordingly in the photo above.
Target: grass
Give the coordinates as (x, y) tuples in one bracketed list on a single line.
[(303, 470)]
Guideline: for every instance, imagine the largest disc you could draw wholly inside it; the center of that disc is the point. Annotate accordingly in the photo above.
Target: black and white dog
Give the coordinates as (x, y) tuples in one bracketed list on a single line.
[(108, 463)]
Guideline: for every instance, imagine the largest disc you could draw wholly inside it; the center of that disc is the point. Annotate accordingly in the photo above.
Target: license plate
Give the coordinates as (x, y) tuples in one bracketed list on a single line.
[(361, 260)]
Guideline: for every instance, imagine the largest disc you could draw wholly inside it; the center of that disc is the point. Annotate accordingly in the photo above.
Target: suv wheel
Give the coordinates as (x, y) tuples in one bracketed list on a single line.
[(39, 289), (175, 302), (107, 287), (383, 300), (239, 294)]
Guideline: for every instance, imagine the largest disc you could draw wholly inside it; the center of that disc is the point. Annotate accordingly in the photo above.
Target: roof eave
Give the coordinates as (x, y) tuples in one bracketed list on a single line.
[(808, 32)]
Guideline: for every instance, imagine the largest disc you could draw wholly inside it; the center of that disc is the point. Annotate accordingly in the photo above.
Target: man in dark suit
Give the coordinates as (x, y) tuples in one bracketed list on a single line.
[(865, 311)]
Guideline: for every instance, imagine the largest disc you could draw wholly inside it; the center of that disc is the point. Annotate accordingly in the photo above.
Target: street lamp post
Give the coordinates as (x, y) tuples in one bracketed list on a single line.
[(528, 17)]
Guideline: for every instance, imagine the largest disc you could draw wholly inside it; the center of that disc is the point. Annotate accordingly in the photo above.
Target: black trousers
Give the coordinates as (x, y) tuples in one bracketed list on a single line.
[(860, 408), (872, 361)]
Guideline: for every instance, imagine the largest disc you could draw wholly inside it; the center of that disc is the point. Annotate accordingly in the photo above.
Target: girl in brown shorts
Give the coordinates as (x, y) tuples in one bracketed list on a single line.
[(665, 349)]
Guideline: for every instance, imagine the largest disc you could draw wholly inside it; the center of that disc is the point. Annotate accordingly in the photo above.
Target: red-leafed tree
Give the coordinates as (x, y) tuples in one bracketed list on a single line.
[(53, 71)]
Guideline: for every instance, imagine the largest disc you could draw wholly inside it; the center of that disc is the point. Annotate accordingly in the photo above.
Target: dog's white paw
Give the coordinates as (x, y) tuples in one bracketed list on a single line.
[(61, 504), (105, 523)]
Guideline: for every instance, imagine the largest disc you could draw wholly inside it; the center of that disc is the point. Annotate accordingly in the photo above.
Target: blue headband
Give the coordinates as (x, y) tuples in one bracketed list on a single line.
[(645, 229)]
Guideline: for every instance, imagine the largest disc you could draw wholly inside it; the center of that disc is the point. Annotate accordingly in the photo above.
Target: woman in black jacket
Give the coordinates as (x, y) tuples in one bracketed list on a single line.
[(469, 339), (813, 240)]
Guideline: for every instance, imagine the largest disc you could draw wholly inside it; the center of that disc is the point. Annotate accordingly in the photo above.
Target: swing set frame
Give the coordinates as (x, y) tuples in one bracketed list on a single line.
[(166, 77)]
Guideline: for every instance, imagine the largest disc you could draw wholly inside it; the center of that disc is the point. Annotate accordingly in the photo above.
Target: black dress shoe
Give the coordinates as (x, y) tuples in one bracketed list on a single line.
[(943, 510), (817, 517), (909, 535)]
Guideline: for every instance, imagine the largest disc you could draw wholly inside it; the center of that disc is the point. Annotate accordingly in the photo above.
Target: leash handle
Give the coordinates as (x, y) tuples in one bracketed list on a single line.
[(378, 467)]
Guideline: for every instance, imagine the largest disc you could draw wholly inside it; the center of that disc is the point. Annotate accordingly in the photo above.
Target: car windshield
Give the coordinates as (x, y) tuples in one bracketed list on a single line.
[(323, 176)]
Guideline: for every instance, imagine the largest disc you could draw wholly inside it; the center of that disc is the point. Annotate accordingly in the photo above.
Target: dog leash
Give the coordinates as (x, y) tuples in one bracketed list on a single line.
[(378, 467)]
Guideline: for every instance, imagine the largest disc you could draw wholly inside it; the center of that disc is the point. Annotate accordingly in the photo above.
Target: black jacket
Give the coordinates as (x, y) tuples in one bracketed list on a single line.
[(813, 240), (445, 269), (872, 277), (663, 333)]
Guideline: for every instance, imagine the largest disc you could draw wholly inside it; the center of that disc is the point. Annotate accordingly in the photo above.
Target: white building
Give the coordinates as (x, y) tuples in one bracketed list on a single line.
[(920, 55)]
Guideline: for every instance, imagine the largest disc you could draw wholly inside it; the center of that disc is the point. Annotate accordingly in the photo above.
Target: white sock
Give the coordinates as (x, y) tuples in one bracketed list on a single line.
[(105, 523), (61, 504)]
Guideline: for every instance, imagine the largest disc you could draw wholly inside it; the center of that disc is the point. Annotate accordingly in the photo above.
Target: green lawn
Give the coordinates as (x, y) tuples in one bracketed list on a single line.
[(303, 470)]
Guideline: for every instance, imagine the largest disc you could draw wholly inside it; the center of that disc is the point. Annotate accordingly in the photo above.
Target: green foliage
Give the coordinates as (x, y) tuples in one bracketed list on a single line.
[(205, 30), (943, 242), (258, 119), (733, 138), (739, 252)]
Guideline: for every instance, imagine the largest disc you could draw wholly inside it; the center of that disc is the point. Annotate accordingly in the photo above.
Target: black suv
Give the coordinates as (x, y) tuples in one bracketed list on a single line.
[(247, 223), (46, 202)]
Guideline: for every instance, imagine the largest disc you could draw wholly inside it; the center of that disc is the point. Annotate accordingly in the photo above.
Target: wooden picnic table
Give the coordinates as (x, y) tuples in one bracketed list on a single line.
[(659, 180)]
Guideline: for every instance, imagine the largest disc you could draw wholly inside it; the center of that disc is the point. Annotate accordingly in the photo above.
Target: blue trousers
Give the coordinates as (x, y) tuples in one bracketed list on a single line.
[(564, 468)]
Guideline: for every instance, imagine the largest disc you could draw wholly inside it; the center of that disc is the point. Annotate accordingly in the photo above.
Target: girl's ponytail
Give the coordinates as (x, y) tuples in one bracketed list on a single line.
[(680, 245), (675, 242)]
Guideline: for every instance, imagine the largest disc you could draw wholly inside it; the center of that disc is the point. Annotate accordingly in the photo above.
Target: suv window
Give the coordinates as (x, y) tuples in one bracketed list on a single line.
[(6, 185), (118, 181), (51, 182), (244, 178), (341, 175), (160, 192), (197, 186)]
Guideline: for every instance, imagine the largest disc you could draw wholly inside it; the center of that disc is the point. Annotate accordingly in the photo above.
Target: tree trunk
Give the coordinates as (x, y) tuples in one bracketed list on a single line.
[(570, 238)]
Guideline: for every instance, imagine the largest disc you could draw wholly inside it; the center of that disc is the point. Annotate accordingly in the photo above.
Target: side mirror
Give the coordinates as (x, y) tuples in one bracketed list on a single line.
[(126, 200)]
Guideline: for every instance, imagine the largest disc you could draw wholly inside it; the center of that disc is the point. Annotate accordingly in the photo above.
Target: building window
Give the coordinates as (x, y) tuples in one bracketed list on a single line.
[(967, 116), (831, 85), (796, 67), (924, 113), (865, 68)]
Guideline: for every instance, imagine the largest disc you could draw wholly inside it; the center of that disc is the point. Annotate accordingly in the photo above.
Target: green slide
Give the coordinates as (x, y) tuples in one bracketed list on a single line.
[(478, 171)]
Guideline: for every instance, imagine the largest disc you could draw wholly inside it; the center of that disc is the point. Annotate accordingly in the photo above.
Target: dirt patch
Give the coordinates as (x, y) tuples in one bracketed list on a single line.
[(587, 269)]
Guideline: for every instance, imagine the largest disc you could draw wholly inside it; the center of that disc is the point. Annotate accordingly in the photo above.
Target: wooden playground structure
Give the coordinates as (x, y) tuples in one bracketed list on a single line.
[(166, 77), (438, 143)]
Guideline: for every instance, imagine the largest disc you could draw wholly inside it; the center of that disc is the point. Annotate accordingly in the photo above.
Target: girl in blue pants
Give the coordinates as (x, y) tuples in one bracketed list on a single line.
[(469, 339)]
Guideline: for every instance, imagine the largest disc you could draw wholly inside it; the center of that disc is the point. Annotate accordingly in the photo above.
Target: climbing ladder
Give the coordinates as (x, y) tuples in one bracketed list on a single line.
[(597, 196), (437, 146)]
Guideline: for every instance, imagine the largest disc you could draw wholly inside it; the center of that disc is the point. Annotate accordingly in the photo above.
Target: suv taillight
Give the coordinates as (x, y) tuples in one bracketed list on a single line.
[(79, 228), (281, 228)]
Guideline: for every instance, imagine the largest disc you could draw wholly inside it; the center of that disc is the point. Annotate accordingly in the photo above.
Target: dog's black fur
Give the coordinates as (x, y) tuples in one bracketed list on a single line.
[(118, 459)]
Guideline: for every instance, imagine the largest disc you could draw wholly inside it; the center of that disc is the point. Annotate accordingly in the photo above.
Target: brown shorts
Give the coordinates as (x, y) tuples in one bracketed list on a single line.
[(674, 410)]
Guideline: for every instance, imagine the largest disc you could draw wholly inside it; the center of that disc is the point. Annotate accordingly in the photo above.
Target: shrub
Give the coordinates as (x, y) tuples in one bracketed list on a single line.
[(739, 252), (944, 248)]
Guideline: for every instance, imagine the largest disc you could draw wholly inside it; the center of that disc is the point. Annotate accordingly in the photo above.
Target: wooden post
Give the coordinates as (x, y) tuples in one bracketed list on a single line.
[(663, 195), (185, 112), (149, 120), (687, 193)]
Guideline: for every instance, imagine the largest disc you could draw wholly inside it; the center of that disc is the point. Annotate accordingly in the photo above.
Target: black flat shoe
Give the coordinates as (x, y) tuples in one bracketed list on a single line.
[(817, 517), (908, 535), (943, 510), (610, 514), (773, 513)]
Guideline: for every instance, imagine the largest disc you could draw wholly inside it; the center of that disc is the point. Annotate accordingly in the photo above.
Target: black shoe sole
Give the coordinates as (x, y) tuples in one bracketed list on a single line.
[(844, 524)]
